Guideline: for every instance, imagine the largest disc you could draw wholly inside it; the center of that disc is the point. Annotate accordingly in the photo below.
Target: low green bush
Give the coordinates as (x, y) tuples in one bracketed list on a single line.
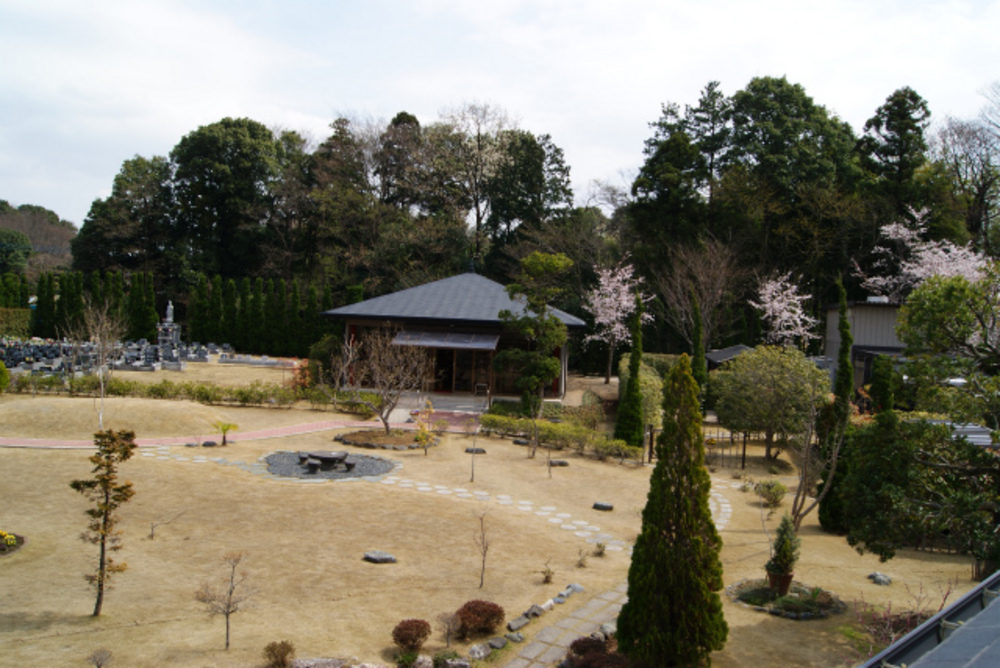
[(771, 492)]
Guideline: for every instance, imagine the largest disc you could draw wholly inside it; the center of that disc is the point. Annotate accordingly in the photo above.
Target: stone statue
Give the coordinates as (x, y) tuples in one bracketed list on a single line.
[(170, 311)]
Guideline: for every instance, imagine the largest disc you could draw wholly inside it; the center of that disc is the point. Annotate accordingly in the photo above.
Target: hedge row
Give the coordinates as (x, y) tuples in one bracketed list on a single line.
[(560, 435), (254, 394), (15, 322)]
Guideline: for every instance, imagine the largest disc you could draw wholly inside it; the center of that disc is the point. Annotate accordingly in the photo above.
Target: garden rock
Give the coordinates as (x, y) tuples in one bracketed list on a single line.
[(609, 629), (318, 663), (558, 462), (880, 579), (497, 643), (209, 444), (423, 661), (560, 599), (534, 611), (575, 588), (520, 441), (514, 637), (457, 663), (379, 557), (475, 451), (479, 652), (548, 605), (606, 507), (517, 623)]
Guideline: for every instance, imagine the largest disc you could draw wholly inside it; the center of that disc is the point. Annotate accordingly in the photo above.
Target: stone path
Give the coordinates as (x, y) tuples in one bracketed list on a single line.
[(549, 646)]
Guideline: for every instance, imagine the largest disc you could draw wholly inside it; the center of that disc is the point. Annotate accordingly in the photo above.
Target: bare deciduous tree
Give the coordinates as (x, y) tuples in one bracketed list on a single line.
[(482, 541), (709, 271), (376, 372), (103, 329), (232, 596)]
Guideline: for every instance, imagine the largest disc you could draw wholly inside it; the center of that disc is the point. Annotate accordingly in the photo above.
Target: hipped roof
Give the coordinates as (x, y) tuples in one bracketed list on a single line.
[(466, 299)]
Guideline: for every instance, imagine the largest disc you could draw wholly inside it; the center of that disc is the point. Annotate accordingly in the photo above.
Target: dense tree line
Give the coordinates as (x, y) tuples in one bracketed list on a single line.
[(61, 300), (763, 182)]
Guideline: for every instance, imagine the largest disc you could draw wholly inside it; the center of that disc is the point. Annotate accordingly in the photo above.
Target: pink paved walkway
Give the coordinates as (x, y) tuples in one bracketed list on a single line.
[(277, 432)]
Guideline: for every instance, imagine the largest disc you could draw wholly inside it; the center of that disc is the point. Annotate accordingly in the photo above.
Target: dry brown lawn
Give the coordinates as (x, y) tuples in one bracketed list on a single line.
[(305, 542)]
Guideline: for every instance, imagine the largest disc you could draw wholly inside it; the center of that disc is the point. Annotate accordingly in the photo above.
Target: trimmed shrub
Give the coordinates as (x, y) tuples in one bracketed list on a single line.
[(4, 378), (411, 634), (478, 617), (771, 492), (279, 654)]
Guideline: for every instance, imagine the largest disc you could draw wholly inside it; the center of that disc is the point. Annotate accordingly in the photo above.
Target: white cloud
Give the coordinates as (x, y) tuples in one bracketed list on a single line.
[(87, 85)]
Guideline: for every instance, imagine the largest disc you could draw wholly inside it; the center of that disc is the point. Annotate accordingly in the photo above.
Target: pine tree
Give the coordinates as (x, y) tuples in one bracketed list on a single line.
[(673, 616), (629, 425)]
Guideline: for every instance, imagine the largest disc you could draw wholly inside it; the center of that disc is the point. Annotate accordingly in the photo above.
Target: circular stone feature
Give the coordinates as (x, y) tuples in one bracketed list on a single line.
[(285, 464)]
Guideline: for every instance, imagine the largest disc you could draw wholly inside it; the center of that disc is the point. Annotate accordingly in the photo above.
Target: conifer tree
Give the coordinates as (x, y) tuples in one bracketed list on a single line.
[(629, 425), (294, 340), (151, 318), (213, 312), (831, 503), (699, 365), (229, 325), (96, 288), (241, 339), (136, 306), (197, 309), (118, 296), (257, 325), (673, 616)]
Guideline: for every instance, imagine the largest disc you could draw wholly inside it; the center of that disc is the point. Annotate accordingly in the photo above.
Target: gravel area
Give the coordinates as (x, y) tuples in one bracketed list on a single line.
[(286, 464)]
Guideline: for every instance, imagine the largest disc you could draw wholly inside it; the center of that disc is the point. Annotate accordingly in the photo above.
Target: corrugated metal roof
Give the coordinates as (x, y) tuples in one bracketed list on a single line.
[(466, 298)]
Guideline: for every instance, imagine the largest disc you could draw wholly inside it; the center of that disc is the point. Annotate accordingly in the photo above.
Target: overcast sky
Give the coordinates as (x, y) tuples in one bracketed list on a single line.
[(85, 85)]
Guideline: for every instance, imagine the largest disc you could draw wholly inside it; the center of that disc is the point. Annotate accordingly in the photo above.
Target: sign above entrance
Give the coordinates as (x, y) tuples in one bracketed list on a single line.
[(454, 340)]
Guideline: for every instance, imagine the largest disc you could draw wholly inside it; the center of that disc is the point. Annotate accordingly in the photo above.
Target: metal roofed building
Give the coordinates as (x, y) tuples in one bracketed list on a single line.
[(458, 320)]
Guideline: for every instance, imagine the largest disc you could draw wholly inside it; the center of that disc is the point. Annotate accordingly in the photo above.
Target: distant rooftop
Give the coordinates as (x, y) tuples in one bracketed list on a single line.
[(468, 299)]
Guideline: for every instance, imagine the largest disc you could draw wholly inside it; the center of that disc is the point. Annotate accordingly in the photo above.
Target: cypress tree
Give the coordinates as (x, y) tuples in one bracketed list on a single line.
[(44, 306), (883, 377), (118, 295), (59, 320), (241, 338), (256, 329), (96, 288), (151, 317), (831, 506), (699, 365), (311, 321), (629, 425), (136, 299), (25, 292), (673, 616), (295, 345), (229, 324), (213, 312), (197, 308)]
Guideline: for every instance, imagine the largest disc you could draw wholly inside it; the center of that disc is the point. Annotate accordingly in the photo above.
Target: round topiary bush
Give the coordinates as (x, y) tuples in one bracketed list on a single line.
[(478, 617), (410, 634)]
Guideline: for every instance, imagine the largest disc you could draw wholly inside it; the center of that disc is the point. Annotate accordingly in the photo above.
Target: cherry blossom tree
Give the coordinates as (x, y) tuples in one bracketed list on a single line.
[(612, 303), (906, 260), (780, 305)]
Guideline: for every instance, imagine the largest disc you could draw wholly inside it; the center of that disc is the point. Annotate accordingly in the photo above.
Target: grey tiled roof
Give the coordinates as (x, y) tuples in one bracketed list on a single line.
[(467, 298)]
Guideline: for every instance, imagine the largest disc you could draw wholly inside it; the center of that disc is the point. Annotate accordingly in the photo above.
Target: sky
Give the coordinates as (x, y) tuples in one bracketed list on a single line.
[(85, 86)]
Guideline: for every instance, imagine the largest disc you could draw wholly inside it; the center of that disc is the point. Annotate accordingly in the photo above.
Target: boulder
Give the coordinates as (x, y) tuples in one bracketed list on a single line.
[(479, 652), (521, 441), (514, 637), (517, 623), (534, 611), (548, 605), (575, 588), (423, 661), (497, 643), (558, 462), (880, 579), (457, 663), (379, 557)]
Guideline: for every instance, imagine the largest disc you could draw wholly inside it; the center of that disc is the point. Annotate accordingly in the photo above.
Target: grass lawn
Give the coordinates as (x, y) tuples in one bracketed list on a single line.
[(305, 544)]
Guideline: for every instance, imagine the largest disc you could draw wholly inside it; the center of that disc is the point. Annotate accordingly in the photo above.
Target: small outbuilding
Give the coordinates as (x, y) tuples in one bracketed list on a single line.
[(457, 320)]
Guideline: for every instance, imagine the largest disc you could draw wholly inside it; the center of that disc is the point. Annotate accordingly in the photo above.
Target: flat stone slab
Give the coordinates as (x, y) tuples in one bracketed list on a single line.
[(497, 643), (517, 623), (379, 557), (475, 451), (606, 507), (558, 462)]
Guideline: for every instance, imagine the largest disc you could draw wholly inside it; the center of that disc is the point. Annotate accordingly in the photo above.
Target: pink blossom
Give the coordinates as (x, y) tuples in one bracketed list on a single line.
[(781, 310), (612, 303)]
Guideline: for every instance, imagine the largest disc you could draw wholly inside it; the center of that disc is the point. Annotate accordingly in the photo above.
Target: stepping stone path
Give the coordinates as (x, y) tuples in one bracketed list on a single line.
[(550, 644)]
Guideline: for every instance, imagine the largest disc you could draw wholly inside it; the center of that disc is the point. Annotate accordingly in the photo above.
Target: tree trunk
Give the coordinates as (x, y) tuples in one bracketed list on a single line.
[(611, 357)]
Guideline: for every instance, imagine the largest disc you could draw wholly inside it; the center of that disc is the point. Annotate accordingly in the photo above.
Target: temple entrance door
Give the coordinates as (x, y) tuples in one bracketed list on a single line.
[(463, 370), (444, 370)]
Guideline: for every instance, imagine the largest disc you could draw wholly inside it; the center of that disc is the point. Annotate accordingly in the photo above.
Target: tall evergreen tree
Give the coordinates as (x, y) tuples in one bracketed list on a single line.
[(629, 425), (294, 345), (673, 616), (256, 330), (831, 503), (229, 310), (241, 338), (213, 314), (699, 365), (197, 310), (151, 318)]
